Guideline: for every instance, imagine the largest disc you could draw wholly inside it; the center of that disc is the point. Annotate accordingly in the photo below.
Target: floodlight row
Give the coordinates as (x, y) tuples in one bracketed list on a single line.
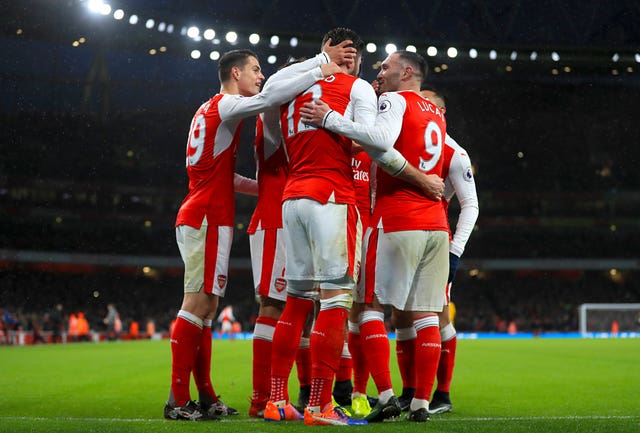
[(198, 34)]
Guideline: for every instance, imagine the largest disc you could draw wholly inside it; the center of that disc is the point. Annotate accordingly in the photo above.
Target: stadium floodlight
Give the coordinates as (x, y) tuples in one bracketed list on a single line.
[(254, 38), (272, 59), (162, 26), (275, 40), (615, 57), (133, 19), (411, 48), (118, 14), (170, 28), (150, 23), (493, 54), (432, 51), (534, 55), (209, 34), (452, 52), (293, 42), (99, 7), (231, 37), (555, 56), (514, 55), (95, 6), (390, 48), (473, 53), (193, 32), (371, 47), (215, 55), (195, 54)]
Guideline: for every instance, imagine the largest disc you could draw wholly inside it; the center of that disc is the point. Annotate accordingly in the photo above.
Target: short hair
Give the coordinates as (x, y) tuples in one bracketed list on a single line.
[(231, 59), (417, 62), (436, 92), (341, 34)]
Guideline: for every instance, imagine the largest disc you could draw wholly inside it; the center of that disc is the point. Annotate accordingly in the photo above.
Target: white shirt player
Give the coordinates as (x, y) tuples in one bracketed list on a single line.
[(459, 181)]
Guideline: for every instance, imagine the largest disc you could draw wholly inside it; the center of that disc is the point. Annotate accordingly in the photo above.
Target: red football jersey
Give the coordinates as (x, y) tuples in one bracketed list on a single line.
[(319, 160), (399, 205), (272, 167), (211, 159)]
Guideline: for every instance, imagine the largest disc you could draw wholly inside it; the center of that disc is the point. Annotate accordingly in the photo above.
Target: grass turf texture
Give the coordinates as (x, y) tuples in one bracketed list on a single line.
[(537, 385)]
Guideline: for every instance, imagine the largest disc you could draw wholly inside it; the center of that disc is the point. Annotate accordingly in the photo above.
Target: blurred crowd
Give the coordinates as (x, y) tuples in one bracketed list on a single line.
[(534, 301)]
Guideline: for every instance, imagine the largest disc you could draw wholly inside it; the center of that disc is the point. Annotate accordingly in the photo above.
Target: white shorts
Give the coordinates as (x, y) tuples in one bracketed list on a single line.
[(205, 253), (267, 263), (408, 269), (323, 244)]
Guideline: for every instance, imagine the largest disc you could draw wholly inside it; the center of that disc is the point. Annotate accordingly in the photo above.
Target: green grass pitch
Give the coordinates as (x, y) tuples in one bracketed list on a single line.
[(525, 385)]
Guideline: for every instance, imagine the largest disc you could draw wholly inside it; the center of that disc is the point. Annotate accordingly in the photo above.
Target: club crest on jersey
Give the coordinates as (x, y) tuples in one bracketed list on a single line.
[(281, 284), (385, 105), (468, 175), (222, 281)]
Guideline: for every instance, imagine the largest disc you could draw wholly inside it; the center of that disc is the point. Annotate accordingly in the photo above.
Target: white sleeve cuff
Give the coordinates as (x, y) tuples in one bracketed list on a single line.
[(391, 161)]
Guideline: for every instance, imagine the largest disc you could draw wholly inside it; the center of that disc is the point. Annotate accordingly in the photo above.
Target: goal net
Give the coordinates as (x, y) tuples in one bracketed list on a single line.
[(609, 318)]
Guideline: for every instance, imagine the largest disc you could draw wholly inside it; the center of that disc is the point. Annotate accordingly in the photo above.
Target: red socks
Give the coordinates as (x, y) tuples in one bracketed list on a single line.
[(185, 339), (262, 343), (427, 355), (447, 357), (202, 366), (405, 352), (359, 362), (345, 369), (327, 341), (374, 333), (285, 344)]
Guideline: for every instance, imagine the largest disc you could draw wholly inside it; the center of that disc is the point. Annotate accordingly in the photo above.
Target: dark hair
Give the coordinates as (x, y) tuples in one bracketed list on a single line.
[(340, 34), (436, 92), (419, 64), (231, 59)]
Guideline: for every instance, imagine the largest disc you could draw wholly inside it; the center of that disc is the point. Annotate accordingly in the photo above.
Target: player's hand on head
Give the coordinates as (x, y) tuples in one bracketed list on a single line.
[(340, 53), (314, 112), (330, 69)]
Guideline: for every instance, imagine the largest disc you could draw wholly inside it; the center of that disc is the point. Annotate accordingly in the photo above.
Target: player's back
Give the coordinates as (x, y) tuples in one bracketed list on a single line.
[(319, 160), (402, 206), (272, 168), (211, 156)]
